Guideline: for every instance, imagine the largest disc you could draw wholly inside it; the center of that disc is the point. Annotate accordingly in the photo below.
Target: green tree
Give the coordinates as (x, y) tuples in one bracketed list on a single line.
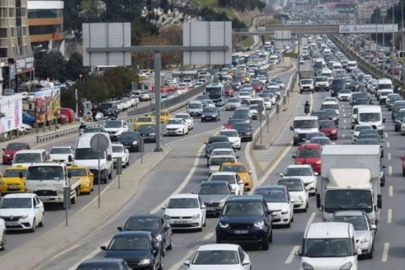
[(93, 88), (164, 4), (74, 67), (119, 81), (50, 65), (71, 19)]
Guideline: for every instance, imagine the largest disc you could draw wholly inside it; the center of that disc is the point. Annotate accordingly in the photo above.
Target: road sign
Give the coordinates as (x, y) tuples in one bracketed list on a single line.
[(99, 142), (368, 28), (207, 34)]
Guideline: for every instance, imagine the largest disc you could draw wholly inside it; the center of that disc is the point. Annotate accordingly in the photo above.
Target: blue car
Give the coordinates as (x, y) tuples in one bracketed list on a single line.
[(210, 114), (28, 119)]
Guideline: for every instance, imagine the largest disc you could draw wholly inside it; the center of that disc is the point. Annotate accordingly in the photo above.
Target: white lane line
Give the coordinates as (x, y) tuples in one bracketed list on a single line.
[(290, 257), (389, 156), (390, 191), (343, 109), (385, 134), (343, 136), (344, 115), (389, 216), (389, 170), (344, 127), (344, 121), (89, 256), (384, 257), (388, 144), (311, 218)]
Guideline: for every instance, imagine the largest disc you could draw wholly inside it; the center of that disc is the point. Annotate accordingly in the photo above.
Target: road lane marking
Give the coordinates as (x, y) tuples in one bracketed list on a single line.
[(389, 156), (391, 191), (389, 170), (311, 218), (89, 256), (344, 121), (388, 144), (344, 115), (384, 257), (291, 256), (389, 216), (343, 136), (385, 134), (344, 127)]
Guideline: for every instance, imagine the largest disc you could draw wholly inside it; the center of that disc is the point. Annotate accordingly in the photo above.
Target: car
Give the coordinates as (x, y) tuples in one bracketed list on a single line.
[(298, 193), (232, 178), (357, 129), (233, 137), (115, 128), (364, 230), (330, 105), (62, 153), (85, 175), (12, 182), (176, 126), (245, 131), (321, 140), (245, 219), (137, 248), (241, 117), (164, 116), (147, 133), (279, 82), (28, 119), (321, 114), (232, 104), (330, 99), (310, 154), (344, 95), (104, 264), (219, 256), (222, 151), (229, 124), (306, 173), (210, 114), (241, 170), (94, 130), (329, 128), (254, 111), (22, 211), (11, 149), (131, 140), (228, 90), (267, 103), (154, 223), (245, 96), (214, 194), (119, 151), (215, 162), (371, 140), (187, 117), (3, 233), (144, 120), (185, 212), (208, 103), (399, 117), (215, 139), (279, 202)]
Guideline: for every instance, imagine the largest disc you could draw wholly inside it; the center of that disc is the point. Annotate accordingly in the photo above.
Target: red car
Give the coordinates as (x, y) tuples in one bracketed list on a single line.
[(257, 86), (403, 165), (69, 113), (309, 153), (329, 128), (228, 90), (11, 149)]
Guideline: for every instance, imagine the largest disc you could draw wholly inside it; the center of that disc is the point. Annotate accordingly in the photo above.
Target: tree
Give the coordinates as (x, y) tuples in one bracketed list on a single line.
[(173, 34), (93, 88), (164, 4), (74, 67), (50, 65), (119, 81), (141, 27), (71, 19)]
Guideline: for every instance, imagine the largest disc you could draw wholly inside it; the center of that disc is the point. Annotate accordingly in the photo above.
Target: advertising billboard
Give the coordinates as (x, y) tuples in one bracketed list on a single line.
[(47, 105), (11, 113), (368, 28)]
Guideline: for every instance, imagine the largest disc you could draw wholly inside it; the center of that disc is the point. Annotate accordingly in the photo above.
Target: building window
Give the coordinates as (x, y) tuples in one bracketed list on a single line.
[(44, 29), (46, 13)]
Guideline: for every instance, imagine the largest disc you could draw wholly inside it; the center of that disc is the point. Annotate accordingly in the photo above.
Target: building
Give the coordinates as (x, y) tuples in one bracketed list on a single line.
[(15, 46), (45, 21)]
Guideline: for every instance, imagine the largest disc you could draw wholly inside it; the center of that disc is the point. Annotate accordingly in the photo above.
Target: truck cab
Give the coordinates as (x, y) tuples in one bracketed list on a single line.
[(302, 126)]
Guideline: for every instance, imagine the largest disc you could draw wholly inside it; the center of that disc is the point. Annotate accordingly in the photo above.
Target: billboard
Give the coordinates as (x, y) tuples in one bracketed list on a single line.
[(11, 113), (368, 28), (47, 105)]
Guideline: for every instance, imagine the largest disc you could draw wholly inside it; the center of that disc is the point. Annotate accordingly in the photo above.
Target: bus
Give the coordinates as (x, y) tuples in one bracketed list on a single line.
[(216, 93)]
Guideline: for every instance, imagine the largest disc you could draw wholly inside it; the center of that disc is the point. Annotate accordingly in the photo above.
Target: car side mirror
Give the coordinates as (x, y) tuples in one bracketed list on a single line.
[(292, 201), (383, 120), (167, 226), (103, 248), (291, 128), (237, 157), (297, 252), (119, 229), (245, 262), (269, 212), (69, 175), (70, 159), (294, 156), (250, 172), (187, 263), (281, 174), (4, 149), (109, 157), (203, 206), (163, 207), (21, 175)]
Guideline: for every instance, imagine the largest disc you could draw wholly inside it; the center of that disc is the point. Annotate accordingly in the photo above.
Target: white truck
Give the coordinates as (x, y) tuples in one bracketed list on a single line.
[(48, 180), (306, 82), (302, 126), (350, 180)]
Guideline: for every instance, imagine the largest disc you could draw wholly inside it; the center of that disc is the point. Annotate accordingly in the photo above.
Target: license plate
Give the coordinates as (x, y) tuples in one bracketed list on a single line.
[(13, 187), (211, 209), (242, 232), (43, 198), (180, 222), (11, 223)]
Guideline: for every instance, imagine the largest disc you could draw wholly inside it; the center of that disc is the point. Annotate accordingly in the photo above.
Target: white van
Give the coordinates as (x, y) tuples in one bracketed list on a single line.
[(382, 98), (351, 65), (384, 84), (302, 126), (337, 65), (195, 107), (355, 110), (85, 156), (372, 115), (327, 73), (329, 245), (27, 157)]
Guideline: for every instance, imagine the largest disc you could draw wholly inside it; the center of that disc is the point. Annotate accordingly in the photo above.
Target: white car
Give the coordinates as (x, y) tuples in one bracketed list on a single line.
[(296, 188), (215, 162), (187, 117), (176, 126), (238, 186), (304, 172), (232, 104), (115, 128), (267, 103), (254, 111), (345, 95), (24, 128), (330, 105), (223, 152), (219, 256), (185, 211), (330, 99), (62, 153), (358, 128), (22, 211), (233, 137), (2, 234), (245, 96), (120, 151)]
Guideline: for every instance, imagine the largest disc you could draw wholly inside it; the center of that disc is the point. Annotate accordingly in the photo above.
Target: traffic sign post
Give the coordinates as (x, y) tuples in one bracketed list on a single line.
[(99, 143), (119, 170)]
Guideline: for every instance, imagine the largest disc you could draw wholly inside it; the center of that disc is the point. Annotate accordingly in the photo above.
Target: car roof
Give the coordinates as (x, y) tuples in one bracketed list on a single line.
[(357, 213), (257, 198), (133, 233), (305, 118), (145, 216), (309, 146), (224, 173), (214, 183), (19, 195), (101, 261), (218, 247), (271, 187), (184, 196), (299, 166), (329, 230)]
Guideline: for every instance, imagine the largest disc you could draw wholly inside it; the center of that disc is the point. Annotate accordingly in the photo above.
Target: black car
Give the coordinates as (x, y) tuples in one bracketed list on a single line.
[(356, 96), (213, 139), (148, 133), (241, 117), (337, 85), (333, 116), (245, 219), (139, 249), (156, 224), (109, 109), (235, 84), (245, 131), (104, 264), (322, 115), (131, 140), (218, 145), (210, 114), (94, 130), (399, 118)]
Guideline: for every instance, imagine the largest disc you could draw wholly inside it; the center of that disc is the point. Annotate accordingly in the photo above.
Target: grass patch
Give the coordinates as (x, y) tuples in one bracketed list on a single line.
[(291, 54), (248, 42)]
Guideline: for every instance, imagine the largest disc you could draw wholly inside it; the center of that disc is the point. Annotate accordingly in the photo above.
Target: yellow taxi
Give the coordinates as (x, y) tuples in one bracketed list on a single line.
[(241, 170), (164, 116), (86, 177), (144, 120), (11, 182)]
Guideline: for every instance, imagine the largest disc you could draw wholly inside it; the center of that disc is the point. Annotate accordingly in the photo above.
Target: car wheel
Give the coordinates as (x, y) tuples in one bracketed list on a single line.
[(164, 250), (160, 265), (288, 224), (109, 177), (34, 226), (3, 241), (170, 247), (41, 224), (292, 218), (305, 209)]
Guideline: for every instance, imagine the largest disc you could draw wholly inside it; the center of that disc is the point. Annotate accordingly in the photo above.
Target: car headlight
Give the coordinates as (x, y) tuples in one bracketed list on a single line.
[(223, 225), (152, 134), (159, 238), (166, 217), (144, 262), (365, 240), (259, 224), (306, 266), (59, 192), (346, 266), (318, 162), (285, 212), (222, 203), (24, 216), (196, 216), (135, 143), (334, 131), (301, 198)]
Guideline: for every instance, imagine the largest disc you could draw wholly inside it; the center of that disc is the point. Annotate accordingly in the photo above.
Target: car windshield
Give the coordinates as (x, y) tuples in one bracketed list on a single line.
[(229, 133), (16, 146), (98, 266), (144, 128), (305, 124), (43, 173), (113, 124), (309, 152), (272, 195), (359, 222), (217, 139), (367, 142), (144, 119), (87, 153), (61, 151), (129, 243), (182, 116), (348, 199), (93, 130), (14, 173), (360, 128), (227, 178), (78, 172), (326, 124), (243, 209), (194, 105), (322, 79), (306, 81), (320, 140), (330, 247), (213, 190), (183, 203), (222, 152), (244, 93), (233, 100), (142, 224), (329, 106), (217, 161), (215, 257), (175, 122), (27, 158), (369, 117), (234, 168), (117, 149), (345, 91), (209, 110), (291, 184), (303, 171), (19, 203)]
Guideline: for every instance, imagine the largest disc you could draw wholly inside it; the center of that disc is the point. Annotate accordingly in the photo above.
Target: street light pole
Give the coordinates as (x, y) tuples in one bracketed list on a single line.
[(403, 41)]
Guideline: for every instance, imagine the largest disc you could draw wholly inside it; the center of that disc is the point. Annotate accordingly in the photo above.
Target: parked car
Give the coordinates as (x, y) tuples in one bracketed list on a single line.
[(28, 119), (11, 149), (70, 114)]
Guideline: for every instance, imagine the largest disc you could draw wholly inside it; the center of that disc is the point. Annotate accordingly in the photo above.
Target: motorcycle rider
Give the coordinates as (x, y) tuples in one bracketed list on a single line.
[(307, 107)]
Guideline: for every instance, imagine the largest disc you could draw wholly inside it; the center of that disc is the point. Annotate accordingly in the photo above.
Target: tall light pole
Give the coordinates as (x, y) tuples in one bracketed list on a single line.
[(403, 45)]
